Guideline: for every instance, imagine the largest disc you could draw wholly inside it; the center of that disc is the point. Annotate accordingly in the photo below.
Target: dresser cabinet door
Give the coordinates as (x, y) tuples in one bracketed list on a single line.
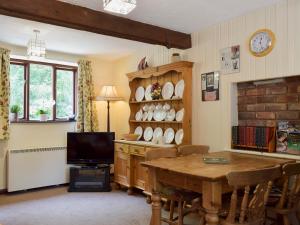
[(122, 168), (139, 172)]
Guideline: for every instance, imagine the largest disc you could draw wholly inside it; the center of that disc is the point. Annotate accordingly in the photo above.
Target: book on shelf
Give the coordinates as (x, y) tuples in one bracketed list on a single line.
[(253, 137)]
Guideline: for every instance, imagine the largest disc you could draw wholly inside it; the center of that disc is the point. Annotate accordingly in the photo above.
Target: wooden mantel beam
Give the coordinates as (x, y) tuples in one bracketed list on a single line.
[(77, 17)]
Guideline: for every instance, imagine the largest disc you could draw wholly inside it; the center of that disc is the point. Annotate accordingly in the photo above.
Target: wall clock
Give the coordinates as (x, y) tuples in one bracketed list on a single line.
[(262, 42)]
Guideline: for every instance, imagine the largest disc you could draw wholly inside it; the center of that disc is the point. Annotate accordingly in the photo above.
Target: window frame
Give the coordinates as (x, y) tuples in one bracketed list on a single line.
[(55, 67)]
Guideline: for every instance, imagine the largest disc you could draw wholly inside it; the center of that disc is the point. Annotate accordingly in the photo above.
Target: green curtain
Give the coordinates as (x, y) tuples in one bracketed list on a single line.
[(87, 116), (4, 93)]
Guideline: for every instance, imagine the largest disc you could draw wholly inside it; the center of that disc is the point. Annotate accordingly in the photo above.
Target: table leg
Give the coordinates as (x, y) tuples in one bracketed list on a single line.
[(212, 201), (156, 209)]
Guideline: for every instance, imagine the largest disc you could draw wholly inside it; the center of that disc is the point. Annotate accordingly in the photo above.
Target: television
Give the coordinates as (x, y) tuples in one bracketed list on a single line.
[(90, 148)]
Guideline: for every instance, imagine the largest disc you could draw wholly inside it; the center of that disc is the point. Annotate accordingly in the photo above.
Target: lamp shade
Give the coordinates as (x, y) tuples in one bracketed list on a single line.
[(108, 93)]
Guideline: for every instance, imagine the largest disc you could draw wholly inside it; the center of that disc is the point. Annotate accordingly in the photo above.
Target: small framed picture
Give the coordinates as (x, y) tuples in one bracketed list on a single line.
[(230, 60), (210, 86)]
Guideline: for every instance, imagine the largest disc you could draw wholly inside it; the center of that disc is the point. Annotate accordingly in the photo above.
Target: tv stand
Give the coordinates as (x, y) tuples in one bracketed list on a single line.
[(90, 179)]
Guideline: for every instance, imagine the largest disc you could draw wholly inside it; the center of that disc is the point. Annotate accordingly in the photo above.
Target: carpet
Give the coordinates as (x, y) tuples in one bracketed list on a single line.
[(56, 206)]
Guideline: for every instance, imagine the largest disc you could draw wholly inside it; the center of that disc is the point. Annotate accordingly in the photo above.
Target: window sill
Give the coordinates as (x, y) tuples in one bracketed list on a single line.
[(42, 122)]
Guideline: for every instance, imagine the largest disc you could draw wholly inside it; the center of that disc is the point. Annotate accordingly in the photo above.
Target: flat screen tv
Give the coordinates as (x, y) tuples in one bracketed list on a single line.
[(90, 148)]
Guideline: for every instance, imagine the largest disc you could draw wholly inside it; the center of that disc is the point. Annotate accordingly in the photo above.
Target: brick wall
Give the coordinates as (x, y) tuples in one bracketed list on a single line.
[(265, 105)]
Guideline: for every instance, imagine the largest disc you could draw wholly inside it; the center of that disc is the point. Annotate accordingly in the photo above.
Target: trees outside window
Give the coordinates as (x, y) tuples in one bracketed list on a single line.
[(43, 86)]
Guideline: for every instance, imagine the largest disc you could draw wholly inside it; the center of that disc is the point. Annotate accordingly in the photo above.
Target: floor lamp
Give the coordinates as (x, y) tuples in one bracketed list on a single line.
[(108, 93)]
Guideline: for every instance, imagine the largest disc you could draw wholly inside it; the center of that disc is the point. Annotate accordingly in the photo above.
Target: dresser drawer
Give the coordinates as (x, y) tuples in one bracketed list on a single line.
[(122, 148), (137, 150)]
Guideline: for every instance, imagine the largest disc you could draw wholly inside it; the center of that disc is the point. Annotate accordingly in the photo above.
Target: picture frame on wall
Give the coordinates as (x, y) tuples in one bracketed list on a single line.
[(210, 86), (230, 60)]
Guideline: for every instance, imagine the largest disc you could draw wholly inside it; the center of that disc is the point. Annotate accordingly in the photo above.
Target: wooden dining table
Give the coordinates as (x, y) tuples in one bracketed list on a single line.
[(192, 173)]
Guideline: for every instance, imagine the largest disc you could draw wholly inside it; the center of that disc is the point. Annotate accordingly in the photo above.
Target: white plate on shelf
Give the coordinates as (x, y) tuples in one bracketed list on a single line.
[(146, 107), (159, 115), (139, 115), (179, 89), (166, 107), (145, 116), (139, 131), (148, 133), (148, 96), (167, 90), (179, 136), (158, 133), (139, 94), (150, 115), (158, 106), (169, 135), (152, 107), (171, 115), (180, 115)]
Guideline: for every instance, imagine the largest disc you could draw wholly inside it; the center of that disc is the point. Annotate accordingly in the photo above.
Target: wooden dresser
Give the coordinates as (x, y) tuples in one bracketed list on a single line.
[(128, 154), (128, 171)]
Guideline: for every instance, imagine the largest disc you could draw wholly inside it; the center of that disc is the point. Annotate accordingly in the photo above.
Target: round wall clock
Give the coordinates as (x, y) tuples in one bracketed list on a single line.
[(262, 42)]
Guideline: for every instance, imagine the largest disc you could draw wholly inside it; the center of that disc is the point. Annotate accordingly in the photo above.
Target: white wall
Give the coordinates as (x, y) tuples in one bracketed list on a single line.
[(25, 136), (212, 120)]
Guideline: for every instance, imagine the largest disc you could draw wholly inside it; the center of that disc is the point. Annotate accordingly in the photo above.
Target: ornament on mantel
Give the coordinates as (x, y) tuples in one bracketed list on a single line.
[(143, 64)]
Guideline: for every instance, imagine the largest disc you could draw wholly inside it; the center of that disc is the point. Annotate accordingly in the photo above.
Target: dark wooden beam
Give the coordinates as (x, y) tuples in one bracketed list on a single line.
[(76, 17)]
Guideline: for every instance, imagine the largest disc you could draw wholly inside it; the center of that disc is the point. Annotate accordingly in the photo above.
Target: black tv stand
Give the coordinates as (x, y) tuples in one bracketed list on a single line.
[(92, 178)]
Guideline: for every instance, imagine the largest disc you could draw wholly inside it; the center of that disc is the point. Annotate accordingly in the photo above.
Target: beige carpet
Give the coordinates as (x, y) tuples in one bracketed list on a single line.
[(55, 206), (58, 207)]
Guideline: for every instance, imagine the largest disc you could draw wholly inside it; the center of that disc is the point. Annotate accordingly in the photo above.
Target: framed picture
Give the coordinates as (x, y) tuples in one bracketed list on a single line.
[(210, 86), (230, 60)]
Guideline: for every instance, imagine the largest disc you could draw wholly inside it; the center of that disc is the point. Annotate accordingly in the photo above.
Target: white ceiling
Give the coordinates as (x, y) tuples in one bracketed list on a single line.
[(185, 16), (61, 39)]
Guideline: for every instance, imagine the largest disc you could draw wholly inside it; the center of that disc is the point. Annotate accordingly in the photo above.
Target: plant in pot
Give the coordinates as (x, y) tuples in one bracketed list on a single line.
[(43, 114), (14, 112)]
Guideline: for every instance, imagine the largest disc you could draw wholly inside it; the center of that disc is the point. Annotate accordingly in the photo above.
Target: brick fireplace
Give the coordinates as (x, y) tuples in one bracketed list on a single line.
[(266, 103)]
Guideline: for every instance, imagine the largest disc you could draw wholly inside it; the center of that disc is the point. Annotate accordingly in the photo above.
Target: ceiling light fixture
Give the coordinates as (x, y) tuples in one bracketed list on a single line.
[(119, 6), (36, 48)]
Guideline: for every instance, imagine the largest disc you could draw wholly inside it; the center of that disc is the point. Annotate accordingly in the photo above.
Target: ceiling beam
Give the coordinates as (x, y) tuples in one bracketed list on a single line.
[(80, 18)]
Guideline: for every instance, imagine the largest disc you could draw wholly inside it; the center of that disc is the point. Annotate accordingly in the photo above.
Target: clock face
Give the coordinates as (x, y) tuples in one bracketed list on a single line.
[(262, 42)]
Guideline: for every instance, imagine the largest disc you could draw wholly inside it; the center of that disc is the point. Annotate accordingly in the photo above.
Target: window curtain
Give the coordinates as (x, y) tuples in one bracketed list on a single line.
[(87, 115), (4, 93)]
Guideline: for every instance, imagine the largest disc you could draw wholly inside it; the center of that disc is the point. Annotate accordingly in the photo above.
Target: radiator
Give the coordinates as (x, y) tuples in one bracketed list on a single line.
[(34, 168)]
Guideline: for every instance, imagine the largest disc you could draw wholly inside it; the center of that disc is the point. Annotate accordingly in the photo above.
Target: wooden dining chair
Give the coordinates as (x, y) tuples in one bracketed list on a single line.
[(184, 150), (250, 209), (174, 195), (289, 201)]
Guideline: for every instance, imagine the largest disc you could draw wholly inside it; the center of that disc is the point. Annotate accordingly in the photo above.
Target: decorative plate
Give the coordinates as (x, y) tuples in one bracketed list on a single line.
[(179, 89), (171, 115), (158, 133), (139, 131), (148, 133), (139, 94), (159, 115), (167, 91), (150, 115), (169, 135), (152, 107), (148, 96), (179, 136), (146, 107), (139, 115), (158, 106), (145, 116), (166, 107), (180, 115)]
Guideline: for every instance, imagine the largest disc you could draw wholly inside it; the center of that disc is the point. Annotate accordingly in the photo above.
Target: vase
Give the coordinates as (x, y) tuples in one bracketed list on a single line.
[(43, 117), (13, 117)]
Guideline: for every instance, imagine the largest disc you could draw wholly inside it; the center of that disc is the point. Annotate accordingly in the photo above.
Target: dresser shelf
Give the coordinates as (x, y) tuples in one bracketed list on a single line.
[(156, 101), (152, 121)]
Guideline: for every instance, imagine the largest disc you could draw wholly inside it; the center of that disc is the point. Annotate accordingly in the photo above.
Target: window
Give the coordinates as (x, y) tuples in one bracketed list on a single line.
[(43, 86)]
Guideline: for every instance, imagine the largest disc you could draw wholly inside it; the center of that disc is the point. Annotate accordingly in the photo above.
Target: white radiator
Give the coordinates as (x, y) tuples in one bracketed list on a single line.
[(34, 168)]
